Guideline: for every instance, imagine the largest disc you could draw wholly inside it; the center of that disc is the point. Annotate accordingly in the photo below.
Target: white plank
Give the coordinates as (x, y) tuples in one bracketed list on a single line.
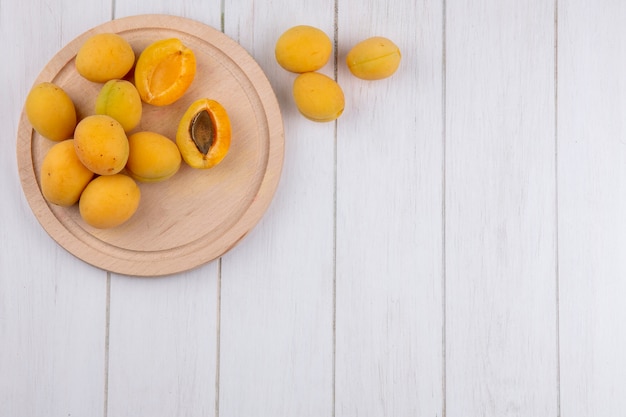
[(501, 348), (389, 217), (51, 356), (163, 331), (592, 203), (276, 317)]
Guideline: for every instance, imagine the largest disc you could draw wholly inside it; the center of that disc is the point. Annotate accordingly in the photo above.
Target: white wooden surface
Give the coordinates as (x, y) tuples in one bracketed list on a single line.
[(452, 246)]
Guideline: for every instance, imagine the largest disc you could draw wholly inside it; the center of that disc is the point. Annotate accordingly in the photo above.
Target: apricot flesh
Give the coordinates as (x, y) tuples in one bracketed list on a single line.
[(153, 157), (63, 176), (101, 144), (303, 48), (120, 100), (104, 56), (165, 70), (204, 134), (318, 97), (109, 201), (51, 111), (374, 58)]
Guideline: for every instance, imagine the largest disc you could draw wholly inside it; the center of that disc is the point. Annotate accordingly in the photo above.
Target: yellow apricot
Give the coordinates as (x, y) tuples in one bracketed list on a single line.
[(204, 133), (120, 100), (109, 201), (164, 71), (153, 157), (303, 49), (318, 97), (101, 144), (104, 56), (51, 111), (63, 176), (374, 58)]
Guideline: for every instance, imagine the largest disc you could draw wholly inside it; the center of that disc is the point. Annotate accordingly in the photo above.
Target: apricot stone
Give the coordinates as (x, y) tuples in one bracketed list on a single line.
[(120, 100), (374, 58), (63, 176), (318, 97), (204, 133), (303, 49), (51, 111), (109, 201), (165, 70), (153, 157), (105, 56), (101, 144)]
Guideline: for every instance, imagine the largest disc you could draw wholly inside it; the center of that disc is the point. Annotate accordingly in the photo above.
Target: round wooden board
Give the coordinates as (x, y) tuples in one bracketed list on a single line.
[(197, 215)]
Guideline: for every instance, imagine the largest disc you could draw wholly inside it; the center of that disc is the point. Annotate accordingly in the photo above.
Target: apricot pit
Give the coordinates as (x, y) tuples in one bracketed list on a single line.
[(204, 134)]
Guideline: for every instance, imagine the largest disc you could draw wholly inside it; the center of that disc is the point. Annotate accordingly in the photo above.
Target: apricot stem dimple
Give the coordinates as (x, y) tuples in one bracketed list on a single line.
[(202, 131)]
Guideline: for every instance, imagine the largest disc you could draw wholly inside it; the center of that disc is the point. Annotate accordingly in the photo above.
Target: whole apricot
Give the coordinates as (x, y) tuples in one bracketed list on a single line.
[(120, 100), (63, 176), (51, 111), (104, 56), (101, 144), (204, 133), (303, 48), (374, 58), (318, 97), (109, 201), (153, 157), (165, 69)]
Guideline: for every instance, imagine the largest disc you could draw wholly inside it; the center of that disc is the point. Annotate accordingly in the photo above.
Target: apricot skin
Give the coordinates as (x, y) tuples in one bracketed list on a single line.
[(51, 111), (120, 100), (153, 157), (103, 57), (374, 58), (165, 70), (63, 176), (221, 130), (109, 201), (101, 144), (318, 97), (303, 49)]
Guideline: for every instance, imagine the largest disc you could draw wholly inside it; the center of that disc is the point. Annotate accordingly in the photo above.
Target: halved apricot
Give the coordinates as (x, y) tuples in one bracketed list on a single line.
[(164, 71), (204, 134)]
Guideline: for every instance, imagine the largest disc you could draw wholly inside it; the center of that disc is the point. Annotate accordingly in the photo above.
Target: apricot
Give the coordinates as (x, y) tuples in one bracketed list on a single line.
[(318, 97), (63, 176), (303, 49), (101, 144), (109, 201), (120, 100), (153, 157), (51, 111), (374, 58), (204, 133), (104, 56), (164, 71)]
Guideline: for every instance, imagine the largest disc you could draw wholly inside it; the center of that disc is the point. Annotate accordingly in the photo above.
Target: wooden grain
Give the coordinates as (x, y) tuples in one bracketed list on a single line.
[(197, 215), (592, 203), (501, 340), (52, 306), (277, 285), (389, 218)]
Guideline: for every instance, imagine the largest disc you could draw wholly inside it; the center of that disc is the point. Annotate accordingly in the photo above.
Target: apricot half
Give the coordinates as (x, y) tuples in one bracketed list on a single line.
[(51, 111), (204, 134), (109, 201), (153, 157), (164, 71), (63, 176), (101, 144)]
